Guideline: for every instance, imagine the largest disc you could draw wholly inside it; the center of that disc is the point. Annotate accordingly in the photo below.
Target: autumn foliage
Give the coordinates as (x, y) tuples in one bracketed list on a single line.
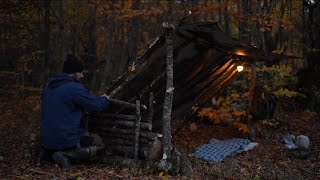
[(231, 106)]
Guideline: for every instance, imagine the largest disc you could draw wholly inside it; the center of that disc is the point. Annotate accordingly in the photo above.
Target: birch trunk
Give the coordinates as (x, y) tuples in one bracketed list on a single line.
[(167, 107)]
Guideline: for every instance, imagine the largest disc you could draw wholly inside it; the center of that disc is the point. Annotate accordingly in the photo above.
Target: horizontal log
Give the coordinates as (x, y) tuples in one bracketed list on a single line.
[(127, 142), (129, 137), (115, 141), (145, 134), (126, 104), (113, 116), (129, 124), (105, 134)]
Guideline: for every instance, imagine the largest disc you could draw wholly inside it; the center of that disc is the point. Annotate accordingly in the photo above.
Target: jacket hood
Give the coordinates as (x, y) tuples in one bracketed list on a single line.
[(59, 80)]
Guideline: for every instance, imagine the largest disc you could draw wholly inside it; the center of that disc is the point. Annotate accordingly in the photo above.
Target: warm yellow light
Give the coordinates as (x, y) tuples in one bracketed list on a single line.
[(240, 53), (240, 68)]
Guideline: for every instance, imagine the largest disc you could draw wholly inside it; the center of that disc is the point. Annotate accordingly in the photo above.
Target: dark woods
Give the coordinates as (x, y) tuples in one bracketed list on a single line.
[(108, 35), (124, 49)]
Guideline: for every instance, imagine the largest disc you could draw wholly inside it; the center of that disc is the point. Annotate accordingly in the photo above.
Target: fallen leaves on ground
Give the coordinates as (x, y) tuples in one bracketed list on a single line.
[(19, 121)]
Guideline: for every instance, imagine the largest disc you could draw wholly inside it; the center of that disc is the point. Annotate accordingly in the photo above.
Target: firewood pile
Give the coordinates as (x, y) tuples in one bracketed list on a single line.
[(204, 60)]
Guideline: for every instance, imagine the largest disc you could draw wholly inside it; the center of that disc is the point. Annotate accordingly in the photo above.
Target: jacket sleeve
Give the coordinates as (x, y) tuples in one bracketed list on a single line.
[(83, 98)]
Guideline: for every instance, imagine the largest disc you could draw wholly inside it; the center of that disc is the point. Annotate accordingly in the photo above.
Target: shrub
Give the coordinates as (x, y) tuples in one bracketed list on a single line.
[(230, 106)]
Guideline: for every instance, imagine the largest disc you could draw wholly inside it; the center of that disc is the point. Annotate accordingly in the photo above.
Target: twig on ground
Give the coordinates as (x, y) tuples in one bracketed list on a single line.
[(42, 172)]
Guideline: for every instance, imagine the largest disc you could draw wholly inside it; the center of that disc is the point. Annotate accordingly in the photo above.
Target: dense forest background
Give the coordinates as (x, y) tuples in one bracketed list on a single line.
[(107, 35)]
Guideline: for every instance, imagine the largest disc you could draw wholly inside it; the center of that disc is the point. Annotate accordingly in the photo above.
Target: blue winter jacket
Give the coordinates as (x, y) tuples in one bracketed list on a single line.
[(63, 103)]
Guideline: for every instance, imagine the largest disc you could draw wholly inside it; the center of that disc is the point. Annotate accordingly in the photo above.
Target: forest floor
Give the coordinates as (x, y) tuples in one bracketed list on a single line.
[(19, 126)]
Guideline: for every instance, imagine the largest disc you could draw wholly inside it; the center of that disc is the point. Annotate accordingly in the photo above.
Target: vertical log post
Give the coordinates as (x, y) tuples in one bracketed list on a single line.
[(137, 131), (150, 113), (167, 106), (252, 122)]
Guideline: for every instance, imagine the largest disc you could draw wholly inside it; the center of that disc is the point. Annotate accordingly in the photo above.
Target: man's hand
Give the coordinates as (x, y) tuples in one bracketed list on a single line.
[(106, 96)]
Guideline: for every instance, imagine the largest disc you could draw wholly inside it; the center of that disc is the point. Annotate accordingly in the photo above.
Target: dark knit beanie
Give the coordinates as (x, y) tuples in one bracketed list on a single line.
[(72, 65)]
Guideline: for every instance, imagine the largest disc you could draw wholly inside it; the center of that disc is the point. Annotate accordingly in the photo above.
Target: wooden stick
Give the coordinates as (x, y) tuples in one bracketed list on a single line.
[(128, 141), (148, 135), (137, 131), (150, 114), (113, 116), (111, 136), (42, 172), (126, 104), (117, 122)]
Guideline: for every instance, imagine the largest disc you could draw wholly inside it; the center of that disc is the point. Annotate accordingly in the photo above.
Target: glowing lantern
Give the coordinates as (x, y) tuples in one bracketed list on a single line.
[(240, 68)]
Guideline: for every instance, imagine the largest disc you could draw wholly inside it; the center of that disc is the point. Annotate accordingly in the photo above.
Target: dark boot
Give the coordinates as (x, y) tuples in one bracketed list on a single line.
[(60, 158), (85, 153)]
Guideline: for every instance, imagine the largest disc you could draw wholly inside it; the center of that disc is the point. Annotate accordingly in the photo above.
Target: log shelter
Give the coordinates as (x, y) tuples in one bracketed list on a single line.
[(204, 60)]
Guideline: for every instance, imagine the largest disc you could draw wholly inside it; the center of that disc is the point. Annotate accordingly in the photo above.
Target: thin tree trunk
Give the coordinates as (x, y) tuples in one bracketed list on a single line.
[(269, 44), (226, 18), (279, 38), (92, 50), (219, 11), (252, 122), (167, 106), (135, 34), (46, 42), (137, 130), (123, 59), (290, 33), (75, 30), (62, 54), (244, 26), (239, 22), (109, 64), (258, 37)]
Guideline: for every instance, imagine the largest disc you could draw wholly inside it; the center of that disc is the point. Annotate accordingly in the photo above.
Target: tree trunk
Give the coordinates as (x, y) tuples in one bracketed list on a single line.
[(167, 106), (278, 42), (46, 42), (109, 62), (74, 29), (226, 18), (134, 44), (267, 35), (137, 131), (62, 54), (257, 37), (252, 122), (91, 55), (244, 26), (220, 12)]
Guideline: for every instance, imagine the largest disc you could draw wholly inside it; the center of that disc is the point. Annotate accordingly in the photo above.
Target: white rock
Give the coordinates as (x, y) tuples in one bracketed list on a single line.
[(302, 142)]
